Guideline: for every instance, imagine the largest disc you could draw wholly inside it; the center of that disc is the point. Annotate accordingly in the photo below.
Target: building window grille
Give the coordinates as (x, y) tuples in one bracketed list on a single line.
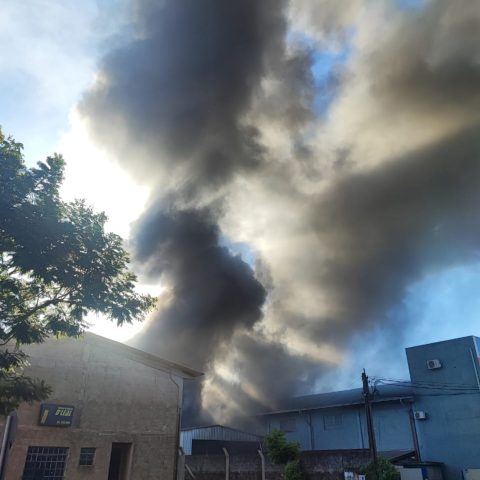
[(288, 425), (47, 463), (332, 421), (87, 456)]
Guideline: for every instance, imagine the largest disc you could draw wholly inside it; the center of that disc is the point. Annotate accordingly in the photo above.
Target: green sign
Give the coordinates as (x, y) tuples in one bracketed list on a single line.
[(52, 415)]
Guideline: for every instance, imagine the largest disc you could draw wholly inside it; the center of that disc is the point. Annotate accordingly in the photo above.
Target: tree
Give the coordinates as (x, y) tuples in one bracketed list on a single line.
[(280, 451), (57, 264)]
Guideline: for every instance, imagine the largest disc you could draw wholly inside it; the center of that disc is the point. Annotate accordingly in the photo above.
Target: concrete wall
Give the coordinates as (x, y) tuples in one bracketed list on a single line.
[(346, 427), (451, 434), (329, 465), (116, 399)]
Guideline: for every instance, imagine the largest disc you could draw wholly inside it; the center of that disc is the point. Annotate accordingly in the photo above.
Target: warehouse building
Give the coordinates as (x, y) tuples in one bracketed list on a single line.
[(445, 377), (212, 439), (434, 417), (114, 413), (336, 420)]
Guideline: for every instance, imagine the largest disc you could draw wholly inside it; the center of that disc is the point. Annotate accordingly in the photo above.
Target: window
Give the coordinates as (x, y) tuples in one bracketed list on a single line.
[(287, 424), (47, 463), (86, 456), (332, 421)]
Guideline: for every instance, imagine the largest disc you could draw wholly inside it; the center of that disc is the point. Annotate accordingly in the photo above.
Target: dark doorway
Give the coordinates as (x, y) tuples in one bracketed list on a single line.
[(119, 460)]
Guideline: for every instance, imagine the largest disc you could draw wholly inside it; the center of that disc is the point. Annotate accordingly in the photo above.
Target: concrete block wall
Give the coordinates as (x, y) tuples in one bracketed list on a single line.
[(318, 465)]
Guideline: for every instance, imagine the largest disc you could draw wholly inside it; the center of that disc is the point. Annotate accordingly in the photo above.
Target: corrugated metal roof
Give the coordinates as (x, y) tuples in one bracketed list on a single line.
[(221, 428), (382, 393), (214, 432)]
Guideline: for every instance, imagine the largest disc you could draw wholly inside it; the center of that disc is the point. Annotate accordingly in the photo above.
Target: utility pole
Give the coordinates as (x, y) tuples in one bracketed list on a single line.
[(368, 411)]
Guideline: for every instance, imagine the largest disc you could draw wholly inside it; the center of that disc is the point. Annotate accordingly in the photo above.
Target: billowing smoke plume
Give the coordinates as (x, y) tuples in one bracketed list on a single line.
[(212, 292), (215, 105), (171, 101)]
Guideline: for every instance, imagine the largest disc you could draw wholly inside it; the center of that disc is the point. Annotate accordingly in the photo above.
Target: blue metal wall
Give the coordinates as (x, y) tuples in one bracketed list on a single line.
[(450, 396), (315, 430)]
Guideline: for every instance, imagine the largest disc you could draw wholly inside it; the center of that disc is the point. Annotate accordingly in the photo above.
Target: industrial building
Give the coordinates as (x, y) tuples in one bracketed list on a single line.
[(445, 377), (434, 417), (336, 420), (114, 413), (212, 438)]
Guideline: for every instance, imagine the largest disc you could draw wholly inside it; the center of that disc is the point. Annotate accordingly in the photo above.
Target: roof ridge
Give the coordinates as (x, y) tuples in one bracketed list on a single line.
[(143, 357)]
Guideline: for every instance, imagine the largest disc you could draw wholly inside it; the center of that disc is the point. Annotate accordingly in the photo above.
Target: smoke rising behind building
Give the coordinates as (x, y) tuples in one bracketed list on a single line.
[(211, 104)]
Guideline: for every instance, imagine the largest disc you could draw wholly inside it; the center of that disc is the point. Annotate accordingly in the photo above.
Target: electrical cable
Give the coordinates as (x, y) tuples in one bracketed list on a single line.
[(427, 385)]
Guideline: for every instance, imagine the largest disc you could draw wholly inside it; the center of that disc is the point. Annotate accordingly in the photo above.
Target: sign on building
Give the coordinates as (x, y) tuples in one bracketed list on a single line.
[(52, 415)]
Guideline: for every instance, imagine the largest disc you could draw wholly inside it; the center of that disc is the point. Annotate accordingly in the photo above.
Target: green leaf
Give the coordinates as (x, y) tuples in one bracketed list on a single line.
[(57, 264)]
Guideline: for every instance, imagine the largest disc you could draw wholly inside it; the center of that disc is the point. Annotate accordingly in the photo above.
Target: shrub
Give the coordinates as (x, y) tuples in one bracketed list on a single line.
[(293, 471), (279, 450), (384, 469)]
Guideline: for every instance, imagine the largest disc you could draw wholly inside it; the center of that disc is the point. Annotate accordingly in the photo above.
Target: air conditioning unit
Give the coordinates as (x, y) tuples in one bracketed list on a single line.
[(419, 415), (434, 364)]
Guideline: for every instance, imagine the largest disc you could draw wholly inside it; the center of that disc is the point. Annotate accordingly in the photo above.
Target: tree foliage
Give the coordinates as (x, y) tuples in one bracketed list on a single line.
[(57, 264), (381, 470), (293, 470), (279, 450)]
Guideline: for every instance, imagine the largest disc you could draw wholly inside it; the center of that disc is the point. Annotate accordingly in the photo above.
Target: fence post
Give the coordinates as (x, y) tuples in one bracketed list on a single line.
[(262, 457), (227, 464)]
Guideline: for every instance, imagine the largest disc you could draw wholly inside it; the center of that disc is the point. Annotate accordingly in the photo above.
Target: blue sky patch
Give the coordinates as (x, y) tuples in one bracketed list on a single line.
[(239, 248)]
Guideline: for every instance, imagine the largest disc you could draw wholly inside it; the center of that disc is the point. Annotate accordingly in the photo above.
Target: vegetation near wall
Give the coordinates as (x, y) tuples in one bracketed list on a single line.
[(382, 469), (280, 451)]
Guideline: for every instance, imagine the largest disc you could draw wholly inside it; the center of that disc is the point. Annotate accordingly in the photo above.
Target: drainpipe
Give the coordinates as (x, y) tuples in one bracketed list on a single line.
[(7, 442), (414, 433), (227, 464), (177, 434), (181, 464), (475, 368), (312, 437), (262, 458), (413, 429)]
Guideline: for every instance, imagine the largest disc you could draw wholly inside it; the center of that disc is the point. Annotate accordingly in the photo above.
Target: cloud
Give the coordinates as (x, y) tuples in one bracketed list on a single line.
[(48, 52), (326, 21)]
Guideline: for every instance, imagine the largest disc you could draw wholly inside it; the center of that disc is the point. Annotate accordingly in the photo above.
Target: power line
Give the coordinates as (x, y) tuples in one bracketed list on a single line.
[(428, 386), (419, 382)]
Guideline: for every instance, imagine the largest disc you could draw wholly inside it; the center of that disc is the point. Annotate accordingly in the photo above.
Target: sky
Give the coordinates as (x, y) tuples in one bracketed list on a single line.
[(312, 163)]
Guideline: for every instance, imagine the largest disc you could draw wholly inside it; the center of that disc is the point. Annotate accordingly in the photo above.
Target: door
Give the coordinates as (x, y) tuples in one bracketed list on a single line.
[(119, 461)]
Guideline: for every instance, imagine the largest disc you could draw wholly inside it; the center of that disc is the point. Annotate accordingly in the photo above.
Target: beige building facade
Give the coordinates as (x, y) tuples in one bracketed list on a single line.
[(114, 414)]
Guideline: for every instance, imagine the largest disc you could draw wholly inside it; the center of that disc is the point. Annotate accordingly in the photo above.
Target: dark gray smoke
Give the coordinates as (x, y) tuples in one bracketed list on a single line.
[(171, 100), (387, 228), (212, 292), (209, 103)]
